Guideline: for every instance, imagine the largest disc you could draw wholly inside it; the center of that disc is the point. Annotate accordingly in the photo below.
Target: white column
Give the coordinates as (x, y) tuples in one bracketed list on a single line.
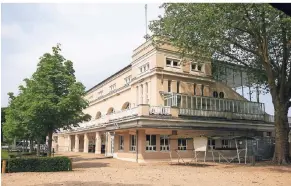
[(137, 95), (77, 141), (70, 144), (86, 142), (144, 93), (149, 92), (141, 89), (98, 143)]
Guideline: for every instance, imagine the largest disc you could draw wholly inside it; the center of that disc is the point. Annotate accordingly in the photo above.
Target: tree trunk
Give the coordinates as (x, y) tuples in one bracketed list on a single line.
[(281, 153), (38, 147), (50, 139), (30, 146)]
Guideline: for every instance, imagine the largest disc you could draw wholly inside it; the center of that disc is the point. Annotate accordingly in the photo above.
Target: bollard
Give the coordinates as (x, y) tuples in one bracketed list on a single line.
[(4, 166), (253, 158)]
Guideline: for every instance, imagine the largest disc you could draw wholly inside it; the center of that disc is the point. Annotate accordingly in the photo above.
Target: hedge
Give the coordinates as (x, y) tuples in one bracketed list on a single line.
[(43, 164)]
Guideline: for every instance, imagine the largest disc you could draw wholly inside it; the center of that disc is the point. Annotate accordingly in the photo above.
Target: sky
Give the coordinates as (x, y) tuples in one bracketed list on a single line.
[(98, 38)]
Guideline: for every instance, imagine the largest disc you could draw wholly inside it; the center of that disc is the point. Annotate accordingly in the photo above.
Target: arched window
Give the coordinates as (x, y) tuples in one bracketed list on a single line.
[(215, 94), (98, 115), (125, 106), (110, 110), (221, 95)]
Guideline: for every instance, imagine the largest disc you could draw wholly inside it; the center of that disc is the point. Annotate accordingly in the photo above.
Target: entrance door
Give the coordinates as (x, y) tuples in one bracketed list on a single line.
[(110, 149)]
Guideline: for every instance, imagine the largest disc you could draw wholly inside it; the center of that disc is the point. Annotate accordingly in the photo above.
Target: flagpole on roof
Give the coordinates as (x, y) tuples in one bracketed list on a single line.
[(146, 22)]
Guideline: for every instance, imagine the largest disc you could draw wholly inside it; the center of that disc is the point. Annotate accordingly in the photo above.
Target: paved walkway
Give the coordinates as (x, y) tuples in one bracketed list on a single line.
[(91, 169)]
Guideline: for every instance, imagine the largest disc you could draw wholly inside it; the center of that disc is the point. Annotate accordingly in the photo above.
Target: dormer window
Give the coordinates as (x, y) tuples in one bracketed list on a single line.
[(172, 62), (112, 87), (144, 68), (196, 67), (127, 80)]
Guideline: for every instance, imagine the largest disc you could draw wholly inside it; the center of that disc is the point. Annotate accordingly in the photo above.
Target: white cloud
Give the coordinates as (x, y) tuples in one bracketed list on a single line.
[(98, 38)]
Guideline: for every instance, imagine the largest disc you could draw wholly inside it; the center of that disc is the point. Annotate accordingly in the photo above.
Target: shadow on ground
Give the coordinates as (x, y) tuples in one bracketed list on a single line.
[(89, 165), (88, 159), (92, 183), (191, 164)]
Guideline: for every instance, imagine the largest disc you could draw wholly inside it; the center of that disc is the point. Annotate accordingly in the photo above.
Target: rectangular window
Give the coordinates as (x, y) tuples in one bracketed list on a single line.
[(194, 89), (144, 68), (127, 80), (164, 143), (211, 144), (178, 86), (199, 67), (182, 144), (196, 67), (202, 90), (225, 143), (151, 143), (121, 142), (269, 134), (169, 85), (132, 142), (172, 62), (193, 66)]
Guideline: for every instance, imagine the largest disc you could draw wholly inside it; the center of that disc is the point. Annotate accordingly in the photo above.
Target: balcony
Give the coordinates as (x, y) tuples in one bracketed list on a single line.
[(215, 107)]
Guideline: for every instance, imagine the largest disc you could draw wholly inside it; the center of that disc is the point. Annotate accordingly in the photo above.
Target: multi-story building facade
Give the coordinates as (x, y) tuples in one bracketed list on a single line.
[(146, 109)]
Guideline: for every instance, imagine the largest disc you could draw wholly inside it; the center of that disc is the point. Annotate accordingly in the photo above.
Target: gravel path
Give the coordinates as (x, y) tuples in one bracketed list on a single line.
[(92, 170)]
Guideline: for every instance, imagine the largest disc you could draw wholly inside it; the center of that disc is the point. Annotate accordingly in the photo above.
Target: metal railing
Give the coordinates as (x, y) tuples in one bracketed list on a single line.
[(123, 113), (160, 110), (103, 120), (214, 104), (219, 114), (271, 118)]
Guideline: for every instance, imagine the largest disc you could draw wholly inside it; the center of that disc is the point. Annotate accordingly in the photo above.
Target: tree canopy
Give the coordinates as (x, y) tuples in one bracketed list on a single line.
[(51, 99), (255, 36)]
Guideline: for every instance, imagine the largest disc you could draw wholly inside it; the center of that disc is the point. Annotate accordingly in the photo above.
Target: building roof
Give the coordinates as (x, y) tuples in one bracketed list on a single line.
[(128, 66)]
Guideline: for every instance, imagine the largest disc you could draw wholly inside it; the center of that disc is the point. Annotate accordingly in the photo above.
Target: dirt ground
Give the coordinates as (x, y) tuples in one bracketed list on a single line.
[(89, 169)]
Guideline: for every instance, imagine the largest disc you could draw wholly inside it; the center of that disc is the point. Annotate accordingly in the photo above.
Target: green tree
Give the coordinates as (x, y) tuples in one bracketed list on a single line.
[(2, 121), (56, 98), (256, 36)]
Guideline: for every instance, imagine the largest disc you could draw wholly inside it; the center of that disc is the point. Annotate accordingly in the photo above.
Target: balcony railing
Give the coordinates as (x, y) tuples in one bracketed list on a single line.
[(122, 114), (146, 110), (271, 118), (160, 110), (220, 114), (215, 107)]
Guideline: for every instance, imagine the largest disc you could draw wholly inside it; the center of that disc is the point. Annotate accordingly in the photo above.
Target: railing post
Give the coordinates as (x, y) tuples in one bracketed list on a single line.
[(174, 111), (143, 110)]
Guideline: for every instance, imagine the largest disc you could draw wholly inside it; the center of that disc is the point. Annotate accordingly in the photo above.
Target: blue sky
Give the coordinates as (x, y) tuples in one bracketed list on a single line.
[(94, 36)]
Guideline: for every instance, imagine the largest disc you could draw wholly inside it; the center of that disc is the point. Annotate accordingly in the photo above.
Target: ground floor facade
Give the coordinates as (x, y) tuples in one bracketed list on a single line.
[(153, 144)]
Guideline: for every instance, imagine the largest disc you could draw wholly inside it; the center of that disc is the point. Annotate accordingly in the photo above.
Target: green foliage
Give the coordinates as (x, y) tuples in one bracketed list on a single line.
[(51, 99), (2, 121), (250, 35), (4, 154), (256, 37), (52, 164)]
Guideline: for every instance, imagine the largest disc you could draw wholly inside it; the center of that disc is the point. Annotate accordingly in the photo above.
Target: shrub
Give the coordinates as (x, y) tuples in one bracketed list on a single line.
[(45, 164)]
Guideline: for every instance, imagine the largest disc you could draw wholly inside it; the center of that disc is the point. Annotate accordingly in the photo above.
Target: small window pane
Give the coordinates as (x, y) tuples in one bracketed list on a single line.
[(221, 94)]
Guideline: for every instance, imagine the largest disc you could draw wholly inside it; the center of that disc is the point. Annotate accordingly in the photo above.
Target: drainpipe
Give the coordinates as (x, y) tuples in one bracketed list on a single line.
[(136, 146)]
